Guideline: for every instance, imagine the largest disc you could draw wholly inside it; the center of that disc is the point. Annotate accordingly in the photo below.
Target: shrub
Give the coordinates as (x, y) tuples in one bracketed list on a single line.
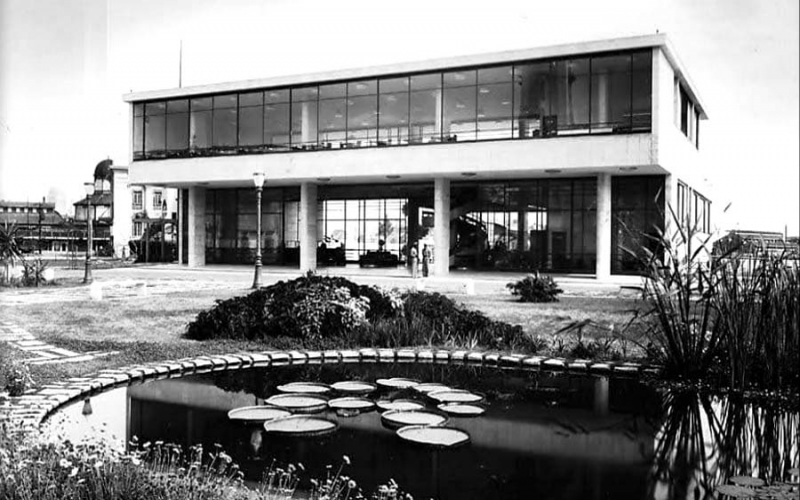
[(33, 272), (440, 321), (15, 376), (307, 308), (535, 288)]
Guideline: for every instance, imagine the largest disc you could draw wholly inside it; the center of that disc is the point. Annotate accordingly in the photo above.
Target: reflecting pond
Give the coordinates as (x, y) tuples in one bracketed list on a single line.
[(542, 435)]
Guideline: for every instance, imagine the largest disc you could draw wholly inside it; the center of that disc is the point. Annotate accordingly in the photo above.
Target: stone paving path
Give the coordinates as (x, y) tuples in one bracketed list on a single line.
[(41, 352)]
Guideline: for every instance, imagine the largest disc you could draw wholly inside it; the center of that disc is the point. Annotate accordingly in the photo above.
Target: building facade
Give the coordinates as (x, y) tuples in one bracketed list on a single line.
[(562, 158), (40, 228), (145, 222)]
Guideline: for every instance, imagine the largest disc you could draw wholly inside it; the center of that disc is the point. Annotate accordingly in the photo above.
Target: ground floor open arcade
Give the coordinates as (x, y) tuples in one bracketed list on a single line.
[(590, 225)]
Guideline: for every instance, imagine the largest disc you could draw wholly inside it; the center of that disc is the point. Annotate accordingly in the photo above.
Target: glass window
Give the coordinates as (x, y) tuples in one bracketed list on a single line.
[(276, 119), (225, 117), (362, 113), (426, 108), (569, 96), (137, 200), (155, 129), (333, 115), (697, 129), (641, 90), (157, 200), (532, 83), (393, 108), (200, 124), (684, 111), (460, 106), (251, 119), (177, 126), (611, 94), (494, 111), (138, 136), (304, 118)]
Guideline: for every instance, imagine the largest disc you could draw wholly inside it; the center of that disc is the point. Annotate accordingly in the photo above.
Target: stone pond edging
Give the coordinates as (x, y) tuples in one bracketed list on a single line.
[(28, 411)]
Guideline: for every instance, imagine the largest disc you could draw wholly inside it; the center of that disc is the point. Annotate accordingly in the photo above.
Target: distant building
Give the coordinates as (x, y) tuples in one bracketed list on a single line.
[(101, 207), (759, 243), (41, 227), (146, 216)]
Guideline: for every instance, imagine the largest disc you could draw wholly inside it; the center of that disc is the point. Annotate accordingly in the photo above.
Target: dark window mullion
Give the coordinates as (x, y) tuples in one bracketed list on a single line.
[(630, 95), (377, 111), (590, 93), (408, 116)]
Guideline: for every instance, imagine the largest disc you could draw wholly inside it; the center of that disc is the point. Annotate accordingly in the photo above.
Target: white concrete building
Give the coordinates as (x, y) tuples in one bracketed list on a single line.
[(139, 207), (555, 158)]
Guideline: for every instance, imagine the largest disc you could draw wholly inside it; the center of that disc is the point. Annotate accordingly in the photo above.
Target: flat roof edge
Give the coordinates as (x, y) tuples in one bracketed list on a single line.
[(606, 45)]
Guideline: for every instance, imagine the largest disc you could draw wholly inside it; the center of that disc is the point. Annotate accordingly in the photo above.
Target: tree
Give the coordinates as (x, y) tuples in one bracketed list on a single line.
[(9, 247)]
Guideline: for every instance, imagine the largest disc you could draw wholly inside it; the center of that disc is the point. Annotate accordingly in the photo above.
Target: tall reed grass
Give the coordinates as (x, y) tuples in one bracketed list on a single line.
[(732, 317)]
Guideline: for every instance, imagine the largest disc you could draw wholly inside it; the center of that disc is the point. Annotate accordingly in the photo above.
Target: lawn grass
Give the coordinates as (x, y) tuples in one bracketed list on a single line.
[(547, 318), (150, 328)]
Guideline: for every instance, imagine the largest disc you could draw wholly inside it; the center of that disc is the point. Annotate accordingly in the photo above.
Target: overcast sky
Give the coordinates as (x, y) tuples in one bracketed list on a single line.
[(65, 63)]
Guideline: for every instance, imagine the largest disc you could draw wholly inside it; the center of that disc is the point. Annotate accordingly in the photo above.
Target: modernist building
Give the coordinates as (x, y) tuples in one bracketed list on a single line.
[(559, 158)]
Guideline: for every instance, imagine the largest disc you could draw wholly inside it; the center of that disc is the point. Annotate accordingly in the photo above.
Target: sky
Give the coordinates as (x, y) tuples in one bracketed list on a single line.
[(64, 65)]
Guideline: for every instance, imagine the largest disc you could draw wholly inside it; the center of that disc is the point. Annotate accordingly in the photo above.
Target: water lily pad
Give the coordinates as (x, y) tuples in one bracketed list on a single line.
[(301, 425), (351, 403), (734, 490), (257, 413), (462, 409), (429, 387), (397, 382), (443, 437), (305, 388), (306, 403), (399, 404), (399, 418), (354, 387), (455, 396), (794, 471), (747, 481)]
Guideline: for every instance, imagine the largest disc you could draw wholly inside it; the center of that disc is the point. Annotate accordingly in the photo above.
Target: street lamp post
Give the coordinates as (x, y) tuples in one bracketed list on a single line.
[(258, 180), (87, 275)]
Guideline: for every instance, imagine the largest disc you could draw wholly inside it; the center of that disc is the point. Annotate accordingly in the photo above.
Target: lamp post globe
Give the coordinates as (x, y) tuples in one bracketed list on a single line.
[(87, 272), (258, 181)]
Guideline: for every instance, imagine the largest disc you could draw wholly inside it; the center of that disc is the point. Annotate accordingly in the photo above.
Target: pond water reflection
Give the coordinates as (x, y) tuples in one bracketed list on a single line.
[(543, 435)]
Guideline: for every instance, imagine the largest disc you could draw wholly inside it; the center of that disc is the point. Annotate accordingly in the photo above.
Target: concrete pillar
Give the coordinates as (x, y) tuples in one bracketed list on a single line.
[(308, 227), (602, 99), (181, 222), (122, 214), (438, 118), (441, 226), (308, 130), (413, 226), (603, 263), (670, 207), (197, 227), (522, 231)]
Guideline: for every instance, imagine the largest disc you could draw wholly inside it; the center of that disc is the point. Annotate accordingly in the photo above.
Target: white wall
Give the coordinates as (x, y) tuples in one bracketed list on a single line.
[(524, 158)]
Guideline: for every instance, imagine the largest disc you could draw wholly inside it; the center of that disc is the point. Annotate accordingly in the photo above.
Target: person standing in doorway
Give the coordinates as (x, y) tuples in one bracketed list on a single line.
[(426, 258), (412, 255)]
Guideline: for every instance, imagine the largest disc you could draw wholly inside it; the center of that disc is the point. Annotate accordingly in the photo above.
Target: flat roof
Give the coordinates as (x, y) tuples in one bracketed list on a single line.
[(609, 45)]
